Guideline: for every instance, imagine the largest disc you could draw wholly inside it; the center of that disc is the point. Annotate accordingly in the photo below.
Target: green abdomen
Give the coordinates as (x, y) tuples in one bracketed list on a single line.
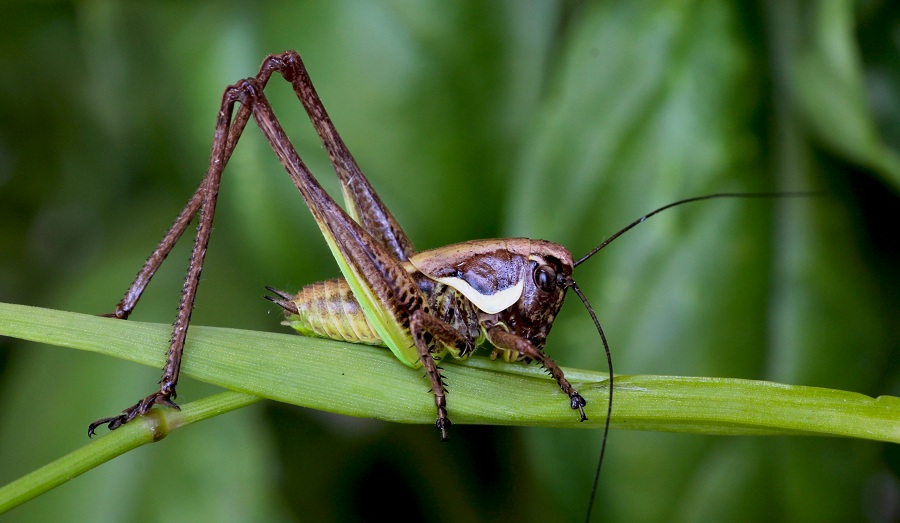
[(328, 309)]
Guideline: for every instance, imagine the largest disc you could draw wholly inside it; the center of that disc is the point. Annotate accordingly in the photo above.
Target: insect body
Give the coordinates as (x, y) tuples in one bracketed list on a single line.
[(504, 291), (470, 286), (422, 306)]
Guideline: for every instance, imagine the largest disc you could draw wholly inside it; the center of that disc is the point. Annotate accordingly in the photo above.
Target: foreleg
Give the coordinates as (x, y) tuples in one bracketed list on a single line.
[(506, 340)]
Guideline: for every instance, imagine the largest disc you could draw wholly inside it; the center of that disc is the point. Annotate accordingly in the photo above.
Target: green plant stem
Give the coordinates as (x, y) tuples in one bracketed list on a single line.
[(143, 430), (368, 382)]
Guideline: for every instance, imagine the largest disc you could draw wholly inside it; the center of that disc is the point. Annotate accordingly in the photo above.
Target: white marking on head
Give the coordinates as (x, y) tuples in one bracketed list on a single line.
[(489, 303)]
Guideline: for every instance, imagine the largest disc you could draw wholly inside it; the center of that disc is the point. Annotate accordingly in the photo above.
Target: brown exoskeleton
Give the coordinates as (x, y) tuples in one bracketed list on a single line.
[(422, 306)]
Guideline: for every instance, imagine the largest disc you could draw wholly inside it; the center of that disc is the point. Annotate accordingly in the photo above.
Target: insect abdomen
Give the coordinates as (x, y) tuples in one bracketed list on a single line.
[(328, 310)]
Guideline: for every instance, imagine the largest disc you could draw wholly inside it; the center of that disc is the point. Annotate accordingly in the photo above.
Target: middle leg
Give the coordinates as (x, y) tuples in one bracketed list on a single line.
[(430, 334)]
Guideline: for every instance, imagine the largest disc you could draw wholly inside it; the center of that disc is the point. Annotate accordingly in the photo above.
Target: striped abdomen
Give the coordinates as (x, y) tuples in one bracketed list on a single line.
[(328, 309)]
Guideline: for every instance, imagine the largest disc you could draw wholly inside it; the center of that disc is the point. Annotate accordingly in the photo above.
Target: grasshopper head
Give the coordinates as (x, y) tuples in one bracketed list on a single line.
[(549, 268)]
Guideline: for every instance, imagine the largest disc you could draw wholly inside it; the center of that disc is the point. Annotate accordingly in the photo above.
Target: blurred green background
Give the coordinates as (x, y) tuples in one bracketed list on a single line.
[(556, 120)]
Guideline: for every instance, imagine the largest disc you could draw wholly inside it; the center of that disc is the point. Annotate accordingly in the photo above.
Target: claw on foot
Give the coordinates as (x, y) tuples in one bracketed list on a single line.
[(141, 407), (119, 313), (443, 424), (578, 403), (103, 421)]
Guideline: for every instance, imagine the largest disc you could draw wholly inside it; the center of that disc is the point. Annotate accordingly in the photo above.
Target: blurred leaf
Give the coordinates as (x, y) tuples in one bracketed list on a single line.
[(829, 86), (561, 120), (650, 105)]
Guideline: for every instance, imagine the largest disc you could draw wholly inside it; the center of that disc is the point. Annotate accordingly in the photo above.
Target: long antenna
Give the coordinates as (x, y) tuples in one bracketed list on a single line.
[(640, 220), (571, 283)]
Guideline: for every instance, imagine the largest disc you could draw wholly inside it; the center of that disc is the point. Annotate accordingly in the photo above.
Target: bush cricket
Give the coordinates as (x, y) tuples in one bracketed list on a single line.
[(421, 305)]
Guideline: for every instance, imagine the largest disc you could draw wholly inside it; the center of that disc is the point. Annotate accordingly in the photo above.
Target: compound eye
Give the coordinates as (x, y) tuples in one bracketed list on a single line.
[(545, 278)]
